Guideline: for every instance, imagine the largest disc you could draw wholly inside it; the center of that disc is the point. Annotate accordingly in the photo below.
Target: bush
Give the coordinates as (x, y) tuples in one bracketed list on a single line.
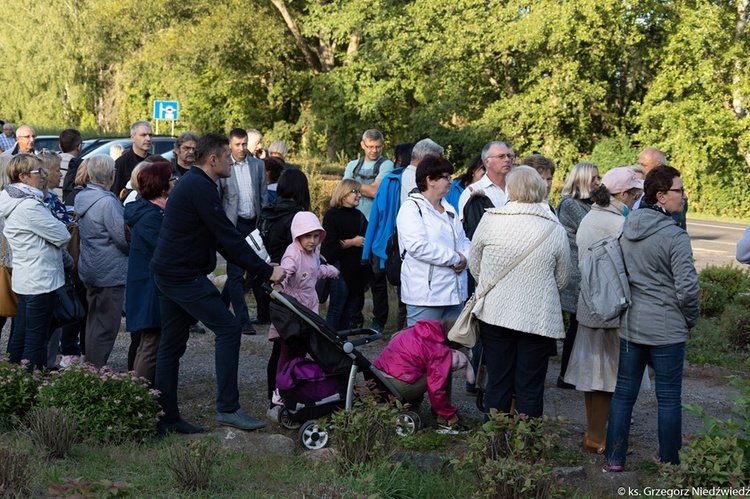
[(18, 388), (52, 429), (735, 321), (364, 435), (15, 473), (510, 455), (713, 299), (734, 280), (720, 455), (114, 407), (192, 466)]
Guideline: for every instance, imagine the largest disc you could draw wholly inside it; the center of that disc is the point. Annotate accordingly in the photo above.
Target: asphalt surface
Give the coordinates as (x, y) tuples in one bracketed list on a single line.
[(714, 243)]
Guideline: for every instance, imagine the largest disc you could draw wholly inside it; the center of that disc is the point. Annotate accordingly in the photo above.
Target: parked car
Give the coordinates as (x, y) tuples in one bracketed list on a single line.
[(49, 142), (159, 145)]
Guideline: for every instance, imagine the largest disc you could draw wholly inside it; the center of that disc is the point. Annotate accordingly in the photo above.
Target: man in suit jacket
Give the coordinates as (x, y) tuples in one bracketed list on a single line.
[(242, 195)]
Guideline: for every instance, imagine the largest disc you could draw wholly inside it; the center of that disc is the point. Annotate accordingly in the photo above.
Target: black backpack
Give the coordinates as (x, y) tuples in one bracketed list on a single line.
[(375, 169), (394, 256)]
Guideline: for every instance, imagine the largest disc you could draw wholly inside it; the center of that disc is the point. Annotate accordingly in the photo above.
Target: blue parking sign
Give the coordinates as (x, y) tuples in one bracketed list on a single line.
[(166, 110)]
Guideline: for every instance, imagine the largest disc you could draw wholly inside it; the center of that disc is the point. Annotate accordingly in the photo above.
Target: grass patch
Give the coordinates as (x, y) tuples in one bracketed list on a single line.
[(708, 344)]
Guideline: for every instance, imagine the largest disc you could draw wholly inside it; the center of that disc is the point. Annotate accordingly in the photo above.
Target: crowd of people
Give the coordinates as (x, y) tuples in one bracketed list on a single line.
[(141, 234)]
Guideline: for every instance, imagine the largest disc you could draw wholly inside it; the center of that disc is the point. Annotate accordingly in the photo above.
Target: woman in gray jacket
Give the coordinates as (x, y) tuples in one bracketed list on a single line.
[(664, 306)]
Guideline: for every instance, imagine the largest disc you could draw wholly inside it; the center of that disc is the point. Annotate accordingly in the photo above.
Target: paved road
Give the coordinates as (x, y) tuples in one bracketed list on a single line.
[(714, 243)]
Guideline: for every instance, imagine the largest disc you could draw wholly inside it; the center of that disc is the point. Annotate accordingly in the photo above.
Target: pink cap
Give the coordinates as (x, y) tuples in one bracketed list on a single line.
[(621, 179)]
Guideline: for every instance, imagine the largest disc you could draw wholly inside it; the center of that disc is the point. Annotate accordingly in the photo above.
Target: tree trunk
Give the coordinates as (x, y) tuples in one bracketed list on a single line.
[(297, 34)]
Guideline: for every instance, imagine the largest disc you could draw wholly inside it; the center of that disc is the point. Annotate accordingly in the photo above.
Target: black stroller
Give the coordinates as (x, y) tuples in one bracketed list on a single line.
[(336, 354)]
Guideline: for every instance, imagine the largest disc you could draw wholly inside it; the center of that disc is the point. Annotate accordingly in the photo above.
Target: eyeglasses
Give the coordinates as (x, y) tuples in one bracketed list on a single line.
[(377, 147), (174, 178), (356, 191), (509, 156), (40, 171), (446, 177), (681, 191), (187, 148)]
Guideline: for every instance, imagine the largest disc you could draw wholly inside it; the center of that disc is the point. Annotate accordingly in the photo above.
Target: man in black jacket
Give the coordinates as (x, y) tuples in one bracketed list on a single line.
[(194, 228)]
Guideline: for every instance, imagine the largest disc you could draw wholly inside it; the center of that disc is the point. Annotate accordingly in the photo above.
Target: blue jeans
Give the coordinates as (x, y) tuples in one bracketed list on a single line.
[(33, 329), (179, 302), (667, 361), (342, 304), (516, 364), (416, 313), (234, 288)]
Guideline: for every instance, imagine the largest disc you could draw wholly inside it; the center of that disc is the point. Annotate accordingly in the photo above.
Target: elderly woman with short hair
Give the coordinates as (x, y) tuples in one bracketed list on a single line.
[(345, 228), (432, 239), (103, 262), (36, 238), (521, 318), (144, 217)]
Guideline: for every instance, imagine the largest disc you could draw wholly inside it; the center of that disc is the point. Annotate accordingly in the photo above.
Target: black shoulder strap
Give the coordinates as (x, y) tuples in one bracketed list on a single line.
[(375, 170)]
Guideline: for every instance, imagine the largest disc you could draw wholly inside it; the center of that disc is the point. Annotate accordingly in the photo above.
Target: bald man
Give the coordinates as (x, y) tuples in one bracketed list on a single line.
[(650, 158), (25, 137)]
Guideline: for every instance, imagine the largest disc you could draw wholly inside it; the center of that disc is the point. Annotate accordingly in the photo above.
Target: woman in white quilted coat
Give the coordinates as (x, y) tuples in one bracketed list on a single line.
[(521, 318), (596, 350)]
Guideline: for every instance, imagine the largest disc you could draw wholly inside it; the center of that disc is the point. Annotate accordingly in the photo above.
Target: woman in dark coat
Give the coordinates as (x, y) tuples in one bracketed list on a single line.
[(144, 217), (345, 229)]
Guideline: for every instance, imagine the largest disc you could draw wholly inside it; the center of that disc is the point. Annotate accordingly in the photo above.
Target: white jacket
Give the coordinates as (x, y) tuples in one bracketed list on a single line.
[(35, 236), (432, 241), (528, 298)]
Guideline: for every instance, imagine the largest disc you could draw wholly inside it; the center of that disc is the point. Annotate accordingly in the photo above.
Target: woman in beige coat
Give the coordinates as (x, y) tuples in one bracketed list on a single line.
[(596, 350)]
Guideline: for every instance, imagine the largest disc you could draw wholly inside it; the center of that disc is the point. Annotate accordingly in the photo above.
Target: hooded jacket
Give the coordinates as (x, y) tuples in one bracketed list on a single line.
[(141, 302), (303, 268), (36, 238), (663, 281), (103, 261), (432, 241), (382, 219), (421, 351)]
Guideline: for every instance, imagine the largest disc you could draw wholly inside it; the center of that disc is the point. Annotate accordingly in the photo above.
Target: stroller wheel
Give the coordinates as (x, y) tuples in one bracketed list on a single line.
[(408, 423), (312, 436), (286, 420)]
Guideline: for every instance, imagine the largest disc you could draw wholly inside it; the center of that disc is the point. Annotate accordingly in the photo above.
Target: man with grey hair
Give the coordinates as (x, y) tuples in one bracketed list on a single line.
[(103, 260), (255, 144), (25, 138), (423, 148), (7, 139), (141, 134), (648, 159), (499, 159), (184, 153), (370, 169)]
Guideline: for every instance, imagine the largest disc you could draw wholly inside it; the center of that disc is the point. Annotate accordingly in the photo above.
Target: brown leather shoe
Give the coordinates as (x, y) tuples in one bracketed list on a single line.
[(592, 446)]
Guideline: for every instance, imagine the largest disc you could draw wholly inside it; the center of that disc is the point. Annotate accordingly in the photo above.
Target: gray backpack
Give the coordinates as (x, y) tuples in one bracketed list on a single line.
[(604, 279)]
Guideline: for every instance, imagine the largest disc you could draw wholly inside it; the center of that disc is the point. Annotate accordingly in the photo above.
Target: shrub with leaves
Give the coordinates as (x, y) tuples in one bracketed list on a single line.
[(720, 455), (15, 473), (713, 299), (734, 280), (192, 465), (52, 429), (510, 454), (111, 407), (735, 322), (18, 389), (364, 435)]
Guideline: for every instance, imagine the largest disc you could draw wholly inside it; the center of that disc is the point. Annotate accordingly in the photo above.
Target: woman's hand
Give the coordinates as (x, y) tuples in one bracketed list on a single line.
[(461, 265)]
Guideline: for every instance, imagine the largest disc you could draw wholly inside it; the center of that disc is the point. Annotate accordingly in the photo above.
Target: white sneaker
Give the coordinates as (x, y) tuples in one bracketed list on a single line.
[(274, 413), (68, 361)]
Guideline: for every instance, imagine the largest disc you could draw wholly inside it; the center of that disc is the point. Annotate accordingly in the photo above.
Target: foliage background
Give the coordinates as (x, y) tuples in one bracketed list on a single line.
[(572, 79)]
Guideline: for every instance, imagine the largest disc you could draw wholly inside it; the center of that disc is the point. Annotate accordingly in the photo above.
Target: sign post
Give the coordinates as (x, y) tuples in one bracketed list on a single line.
[(168, 110)]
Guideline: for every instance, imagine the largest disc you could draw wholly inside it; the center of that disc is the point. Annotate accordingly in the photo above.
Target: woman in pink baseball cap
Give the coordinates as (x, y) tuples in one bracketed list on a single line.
[(595, 355)]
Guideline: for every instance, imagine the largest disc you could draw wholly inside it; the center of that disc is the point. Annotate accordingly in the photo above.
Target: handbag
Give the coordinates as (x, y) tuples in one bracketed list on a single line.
[(465, 330), (68, 308), (8, 298)]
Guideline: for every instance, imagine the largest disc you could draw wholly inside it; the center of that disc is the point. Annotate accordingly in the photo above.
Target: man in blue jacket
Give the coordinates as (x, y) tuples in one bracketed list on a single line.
[(195, 226)]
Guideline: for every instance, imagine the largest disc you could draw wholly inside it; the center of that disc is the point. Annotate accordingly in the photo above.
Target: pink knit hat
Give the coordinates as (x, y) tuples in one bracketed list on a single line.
[(621, 179)]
